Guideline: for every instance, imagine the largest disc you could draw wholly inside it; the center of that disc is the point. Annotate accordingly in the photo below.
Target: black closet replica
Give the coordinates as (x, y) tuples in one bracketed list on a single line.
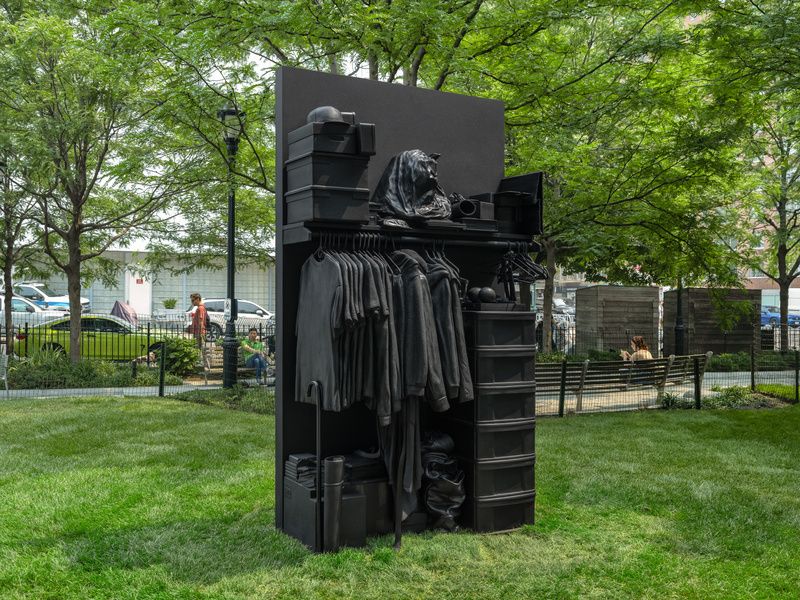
[(405, 390)]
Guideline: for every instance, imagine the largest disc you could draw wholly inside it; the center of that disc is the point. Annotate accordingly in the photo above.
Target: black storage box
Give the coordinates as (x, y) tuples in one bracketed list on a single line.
[(325, 203), (300, 515), (503, 512), (366, 511), (496, 439), (499, 476), (499, 402), (484, 328), (336, 170), (497, 364), (340, 138), (323, 137)]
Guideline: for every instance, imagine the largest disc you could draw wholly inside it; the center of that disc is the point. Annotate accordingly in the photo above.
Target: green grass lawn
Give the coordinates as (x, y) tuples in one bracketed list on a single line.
[(164, 499)]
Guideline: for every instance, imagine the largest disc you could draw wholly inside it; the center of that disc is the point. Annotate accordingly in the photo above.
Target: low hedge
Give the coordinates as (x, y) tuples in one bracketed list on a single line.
[(53, 370)]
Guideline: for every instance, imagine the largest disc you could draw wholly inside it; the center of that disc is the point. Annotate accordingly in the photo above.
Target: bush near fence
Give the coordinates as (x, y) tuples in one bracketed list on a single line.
[(53, 370)]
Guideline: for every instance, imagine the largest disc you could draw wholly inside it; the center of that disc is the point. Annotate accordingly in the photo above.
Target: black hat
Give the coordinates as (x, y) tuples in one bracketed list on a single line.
[(325, 114)]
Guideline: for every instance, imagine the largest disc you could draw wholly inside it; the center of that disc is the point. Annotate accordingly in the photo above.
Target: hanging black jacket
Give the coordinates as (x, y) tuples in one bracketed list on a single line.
[(420, 350)]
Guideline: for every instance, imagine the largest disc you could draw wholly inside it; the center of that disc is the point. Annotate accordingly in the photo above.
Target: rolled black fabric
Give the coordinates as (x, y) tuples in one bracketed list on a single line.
[(334, 476), (465, 208)]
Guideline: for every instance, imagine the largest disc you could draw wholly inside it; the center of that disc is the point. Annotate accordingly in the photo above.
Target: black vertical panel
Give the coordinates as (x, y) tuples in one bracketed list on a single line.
[(468, 133)]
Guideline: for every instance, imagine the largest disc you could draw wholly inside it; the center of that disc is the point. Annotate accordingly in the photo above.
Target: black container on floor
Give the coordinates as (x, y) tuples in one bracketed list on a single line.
[(337, 170), (301, 516), (325, 203), (502, 512), (501, 328)]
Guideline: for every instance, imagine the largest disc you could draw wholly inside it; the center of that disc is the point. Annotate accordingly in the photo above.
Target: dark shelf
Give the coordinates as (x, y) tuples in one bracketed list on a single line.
[(298, 233)]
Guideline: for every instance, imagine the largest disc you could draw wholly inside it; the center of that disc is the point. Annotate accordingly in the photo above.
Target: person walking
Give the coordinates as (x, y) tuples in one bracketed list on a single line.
[(198, 329)]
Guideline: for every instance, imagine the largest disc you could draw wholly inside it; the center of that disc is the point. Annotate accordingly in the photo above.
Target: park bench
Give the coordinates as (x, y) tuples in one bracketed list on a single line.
[(618, 376)]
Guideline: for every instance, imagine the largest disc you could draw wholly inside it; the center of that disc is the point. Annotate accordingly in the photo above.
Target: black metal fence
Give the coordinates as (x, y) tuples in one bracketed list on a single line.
[(571, 385), (117, 354), (119, 357)]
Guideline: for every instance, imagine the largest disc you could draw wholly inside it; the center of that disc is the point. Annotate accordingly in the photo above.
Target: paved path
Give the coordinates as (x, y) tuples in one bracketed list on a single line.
[(122, 391)]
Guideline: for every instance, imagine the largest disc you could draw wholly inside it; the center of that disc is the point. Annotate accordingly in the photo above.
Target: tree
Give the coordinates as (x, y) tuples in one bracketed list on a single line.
[(754, 49), (20, 239), (72, 90)]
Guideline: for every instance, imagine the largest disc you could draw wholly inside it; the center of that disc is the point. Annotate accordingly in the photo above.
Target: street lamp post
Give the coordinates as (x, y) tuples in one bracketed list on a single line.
[(232, 119)]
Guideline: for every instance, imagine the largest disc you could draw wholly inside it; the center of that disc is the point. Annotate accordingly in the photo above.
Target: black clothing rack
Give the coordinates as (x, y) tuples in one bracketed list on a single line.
[(307, 232), (469, 134)]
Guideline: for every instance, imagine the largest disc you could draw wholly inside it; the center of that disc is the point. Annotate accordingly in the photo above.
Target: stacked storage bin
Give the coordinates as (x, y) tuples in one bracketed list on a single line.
[(326, 173), (495, 434)]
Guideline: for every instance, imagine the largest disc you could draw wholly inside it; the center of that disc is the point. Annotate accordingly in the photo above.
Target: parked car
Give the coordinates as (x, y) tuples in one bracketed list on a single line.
[(771, 316), (24, 311), (42, 296), (250, 315), (102, 336)]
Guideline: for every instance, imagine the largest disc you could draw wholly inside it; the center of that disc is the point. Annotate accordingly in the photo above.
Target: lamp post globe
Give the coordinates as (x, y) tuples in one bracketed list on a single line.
[(232, 120)]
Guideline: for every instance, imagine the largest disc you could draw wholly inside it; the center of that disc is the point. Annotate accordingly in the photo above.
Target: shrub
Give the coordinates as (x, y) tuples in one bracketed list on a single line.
[(727, 362), (170, 303), (53, 370), (182, 356), (736, 396), (670, 400)]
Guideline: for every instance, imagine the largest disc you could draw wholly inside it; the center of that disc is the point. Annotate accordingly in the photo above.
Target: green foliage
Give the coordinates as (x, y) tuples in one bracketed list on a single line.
[(53, 370), (182, 356), (258, 400), (593, 355), (671, 400), (732, 397), (777, 390), (170, 303), (739, 361), (766, 360)]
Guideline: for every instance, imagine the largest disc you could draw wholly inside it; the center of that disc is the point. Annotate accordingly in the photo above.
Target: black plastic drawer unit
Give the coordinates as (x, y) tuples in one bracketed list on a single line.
[(337, 170), (498, 439), (498, 364), (499, 402), (325, 203), (494, 328), (502, 512), (499, 475)]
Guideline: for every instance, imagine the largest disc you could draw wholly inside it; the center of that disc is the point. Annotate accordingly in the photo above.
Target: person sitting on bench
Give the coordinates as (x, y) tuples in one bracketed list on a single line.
[(640, 350), (255, 357)]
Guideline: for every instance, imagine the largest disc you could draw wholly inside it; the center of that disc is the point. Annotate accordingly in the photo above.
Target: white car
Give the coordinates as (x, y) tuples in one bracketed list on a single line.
[(250, 315), (44, 297), (24, 311)]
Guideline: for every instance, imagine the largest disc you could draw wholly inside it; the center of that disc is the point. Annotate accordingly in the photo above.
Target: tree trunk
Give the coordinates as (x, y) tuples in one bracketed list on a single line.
[(9, 293), (547, 304), (372, 60), (73, 273), (783, 286)]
